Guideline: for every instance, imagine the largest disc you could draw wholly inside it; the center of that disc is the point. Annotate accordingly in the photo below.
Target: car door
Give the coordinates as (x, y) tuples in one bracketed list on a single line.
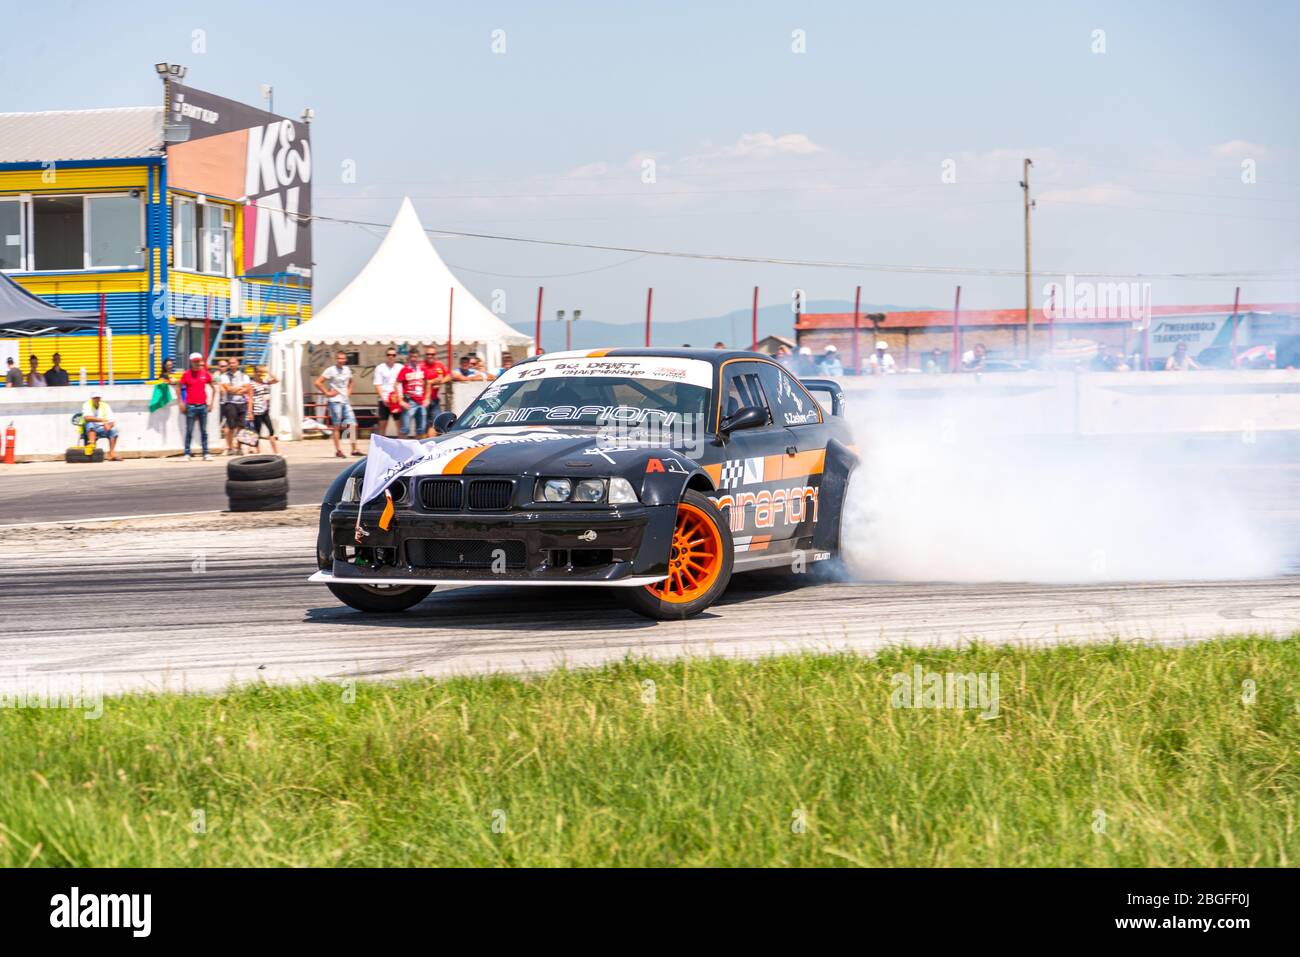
[(806, 434), (751, 478)]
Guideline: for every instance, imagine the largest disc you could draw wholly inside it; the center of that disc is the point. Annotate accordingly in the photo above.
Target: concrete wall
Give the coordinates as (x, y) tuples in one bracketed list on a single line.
[(42, 419), (1084, 403)]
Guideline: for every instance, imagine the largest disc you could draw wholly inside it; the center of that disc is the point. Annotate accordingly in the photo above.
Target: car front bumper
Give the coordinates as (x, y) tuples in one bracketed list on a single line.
[(606, 545)]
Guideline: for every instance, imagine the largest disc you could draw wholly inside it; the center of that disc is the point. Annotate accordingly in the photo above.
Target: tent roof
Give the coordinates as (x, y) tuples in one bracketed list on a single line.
[(400, 296), (23, 314)]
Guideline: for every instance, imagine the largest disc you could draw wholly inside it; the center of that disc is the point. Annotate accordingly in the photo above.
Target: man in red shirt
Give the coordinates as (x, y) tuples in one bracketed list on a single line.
[(415, 396), (195, 400), (435, 374)]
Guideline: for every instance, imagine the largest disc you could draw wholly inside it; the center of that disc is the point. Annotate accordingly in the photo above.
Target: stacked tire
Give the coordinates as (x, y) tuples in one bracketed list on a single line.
[(257, 483)]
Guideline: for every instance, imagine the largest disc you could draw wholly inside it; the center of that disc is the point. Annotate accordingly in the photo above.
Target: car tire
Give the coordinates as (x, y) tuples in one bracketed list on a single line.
[(270, 504), (700, 564), (257, 488), (380, 598), (251, 468)]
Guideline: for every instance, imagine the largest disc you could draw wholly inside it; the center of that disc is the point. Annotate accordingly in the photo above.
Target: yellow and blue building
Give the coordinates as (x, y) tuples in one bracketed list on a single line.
[(186, 225)]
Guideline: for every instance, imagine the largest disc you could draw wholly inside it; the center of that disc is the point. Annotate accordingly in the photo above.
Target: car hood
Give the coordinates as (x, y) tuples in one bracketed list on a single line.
[(519, 450)]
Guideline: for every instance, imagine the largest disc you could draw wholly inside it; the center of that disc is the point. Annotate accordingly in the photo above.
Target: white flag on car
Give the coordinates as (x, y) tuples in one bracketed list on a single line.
[(390, 459)]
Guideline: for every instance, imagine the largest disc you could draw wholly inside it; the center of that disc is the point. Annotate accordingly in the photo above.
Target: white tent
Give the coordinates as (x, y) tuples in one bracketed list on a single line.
[(402, 295)]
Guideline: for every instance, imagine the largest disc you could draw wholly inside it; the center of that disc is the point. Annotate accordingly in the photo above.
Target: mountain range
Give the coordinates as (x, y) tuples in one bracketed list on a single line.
[(732, 328)]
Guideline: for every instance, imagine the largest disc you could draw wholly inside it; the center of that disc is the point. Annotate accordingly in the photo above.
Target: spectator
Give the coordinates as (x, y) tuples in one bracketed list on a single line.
[(435, 374), (162, 390), (830, 362), (973, 359), (507, 363), (466, 372), (785, 357), (1180, 361), (414, 399), (96, 416), (13, 374), (34, 378), (385, 380), (1107, 361), (235, 386), (881, 362), (719, 344), (56, 375), (934, 364), (336, 383), (804, 364), (260, 407), (196, 400), (477, 362)]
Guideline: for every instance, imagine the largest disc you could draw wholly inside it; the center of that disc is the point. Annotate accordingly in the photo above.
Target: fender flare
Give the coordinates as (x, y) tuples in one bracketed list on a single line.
[(840, 463), (324, 535), (668, 487)]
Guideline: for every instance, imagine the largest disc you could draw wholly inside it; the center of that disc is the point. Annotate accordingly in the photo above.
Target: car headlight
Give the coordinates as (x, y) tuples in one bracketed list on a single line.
[(590, 490), (621, 492), (556, 490)]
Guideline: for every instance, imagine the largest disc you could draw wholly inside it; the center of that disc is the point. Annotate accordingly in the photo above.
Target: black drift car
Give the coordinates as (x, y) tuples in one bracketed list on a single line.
[(656, 472)]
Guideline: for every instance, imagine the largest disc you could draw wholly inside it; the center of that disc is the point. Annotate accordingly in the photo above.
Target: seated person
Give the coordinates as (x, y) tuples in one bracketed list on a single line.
[(96, 416)]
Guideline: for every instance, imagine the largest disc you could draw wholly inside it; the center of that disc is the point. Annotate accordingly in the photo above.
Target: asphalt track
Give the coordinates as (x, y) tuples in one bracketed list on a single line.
[(207, 604), (202, 601)]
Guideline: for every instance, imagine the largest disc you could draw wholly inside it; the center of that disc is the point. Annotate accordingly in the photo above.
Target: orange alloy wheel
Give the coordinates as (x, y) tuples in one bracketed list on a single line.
[(695, 560)]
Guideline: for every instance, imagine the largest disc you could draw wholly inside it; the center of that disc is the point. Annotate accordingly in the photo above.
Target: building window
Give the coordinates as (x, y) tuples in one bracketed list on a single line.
[(201, 236), (96, 231), (11, 234), (216, 239), (59, 227), (116, 232)]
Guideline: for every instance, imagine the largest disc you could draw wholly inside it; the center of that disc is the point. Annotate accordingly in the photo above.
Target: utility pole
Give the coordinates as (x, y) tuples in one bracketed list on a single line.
[(1029, 271)]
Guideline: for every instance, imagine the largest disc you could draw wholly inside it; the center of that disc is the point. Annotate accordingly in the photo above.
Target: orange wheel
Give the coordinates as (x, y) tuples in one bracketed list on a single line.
[(695, 559)]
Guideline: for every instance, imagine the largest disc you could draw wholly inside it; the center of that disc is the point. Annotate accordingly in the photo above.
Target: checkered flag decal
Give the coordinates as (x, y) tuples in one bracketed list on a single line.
[(733, 473)]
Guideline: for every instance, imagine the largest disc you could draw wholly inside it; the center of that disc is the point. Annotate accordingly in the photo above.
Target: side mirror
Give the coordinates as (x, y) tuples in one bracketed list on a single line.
[(751, 417), (443, 421)]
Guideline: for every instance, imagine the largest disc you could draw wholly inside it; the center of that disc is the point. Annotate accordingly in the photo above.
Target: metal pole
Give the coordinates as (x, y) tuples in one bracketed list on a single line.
[(1029, 273), (207, 325), (954, 364), (754, 323), (103, 322), (857, 305), (1236, 303), (1051, 322), (649, 299), (568, 334), (451, 307), (537, 339)]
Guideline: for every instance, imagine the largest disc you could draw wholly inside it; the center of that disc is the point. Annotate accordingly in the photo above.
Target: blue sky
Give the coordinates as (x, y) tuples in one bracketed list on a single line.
[(835, 153)]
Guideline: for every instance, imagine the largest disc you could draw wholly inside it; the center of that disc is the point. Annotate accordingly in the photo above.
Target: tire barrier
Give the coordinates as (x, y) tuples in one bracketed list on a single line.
[(257, 483)]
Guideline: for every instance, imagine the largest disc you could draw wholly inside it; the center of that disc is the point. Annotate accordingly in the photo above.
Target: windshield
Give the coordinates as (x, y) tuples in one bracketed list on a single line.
[(629, 393)]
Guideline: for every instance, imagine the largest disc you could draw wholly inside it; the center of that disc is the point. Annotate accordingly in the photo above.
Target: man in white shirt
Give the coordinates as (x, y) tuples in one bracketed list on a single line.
[(96, 416), (336, 383), (385, 379), (235, 387), (881, 362)]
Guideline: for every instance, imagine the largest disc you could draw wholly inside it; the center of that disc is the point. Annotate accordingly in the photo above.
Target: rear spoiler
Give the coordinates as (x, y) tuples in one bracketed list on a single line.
[(828, 386)]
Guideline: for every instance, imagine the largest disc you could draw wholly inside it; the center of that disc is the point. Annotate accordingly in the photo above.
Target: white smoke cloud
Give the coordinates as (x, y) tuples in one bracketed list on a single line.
[(948, 494)]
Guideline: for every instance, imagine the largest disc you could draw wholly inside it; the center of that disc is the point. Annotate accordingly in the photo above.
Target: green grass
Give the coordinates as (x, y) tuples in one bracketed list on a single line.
[(712, 773)]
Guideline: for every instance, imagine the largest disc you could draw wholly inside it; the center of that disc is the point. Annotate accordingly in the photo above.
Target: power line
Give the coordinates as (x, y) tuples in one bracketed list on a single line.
[(1290, 275)]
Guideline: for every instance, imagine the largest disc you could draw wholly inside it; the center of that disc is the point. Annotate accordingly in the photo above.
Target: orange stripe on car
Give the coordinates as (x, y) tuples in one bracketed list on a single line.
[(802, 464), (457, 465), (759, 542), (599, 353), (714, 472)]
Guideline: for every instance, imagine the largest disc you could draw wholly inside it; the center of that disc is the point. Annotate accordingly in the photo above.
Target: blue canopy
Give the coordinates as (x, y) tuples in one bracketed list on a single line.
[(23, 314)]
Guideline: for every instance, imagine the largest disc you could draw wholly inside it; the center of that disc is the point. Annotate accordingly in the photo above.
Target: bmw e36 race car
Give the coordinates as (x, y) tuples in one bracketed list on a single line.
[(660, 473)]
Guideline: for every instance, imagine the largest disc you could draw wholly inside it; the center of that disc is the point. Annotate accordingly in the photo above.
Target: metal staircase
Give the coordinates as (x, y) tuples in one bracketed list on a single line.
[(247, 339)]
